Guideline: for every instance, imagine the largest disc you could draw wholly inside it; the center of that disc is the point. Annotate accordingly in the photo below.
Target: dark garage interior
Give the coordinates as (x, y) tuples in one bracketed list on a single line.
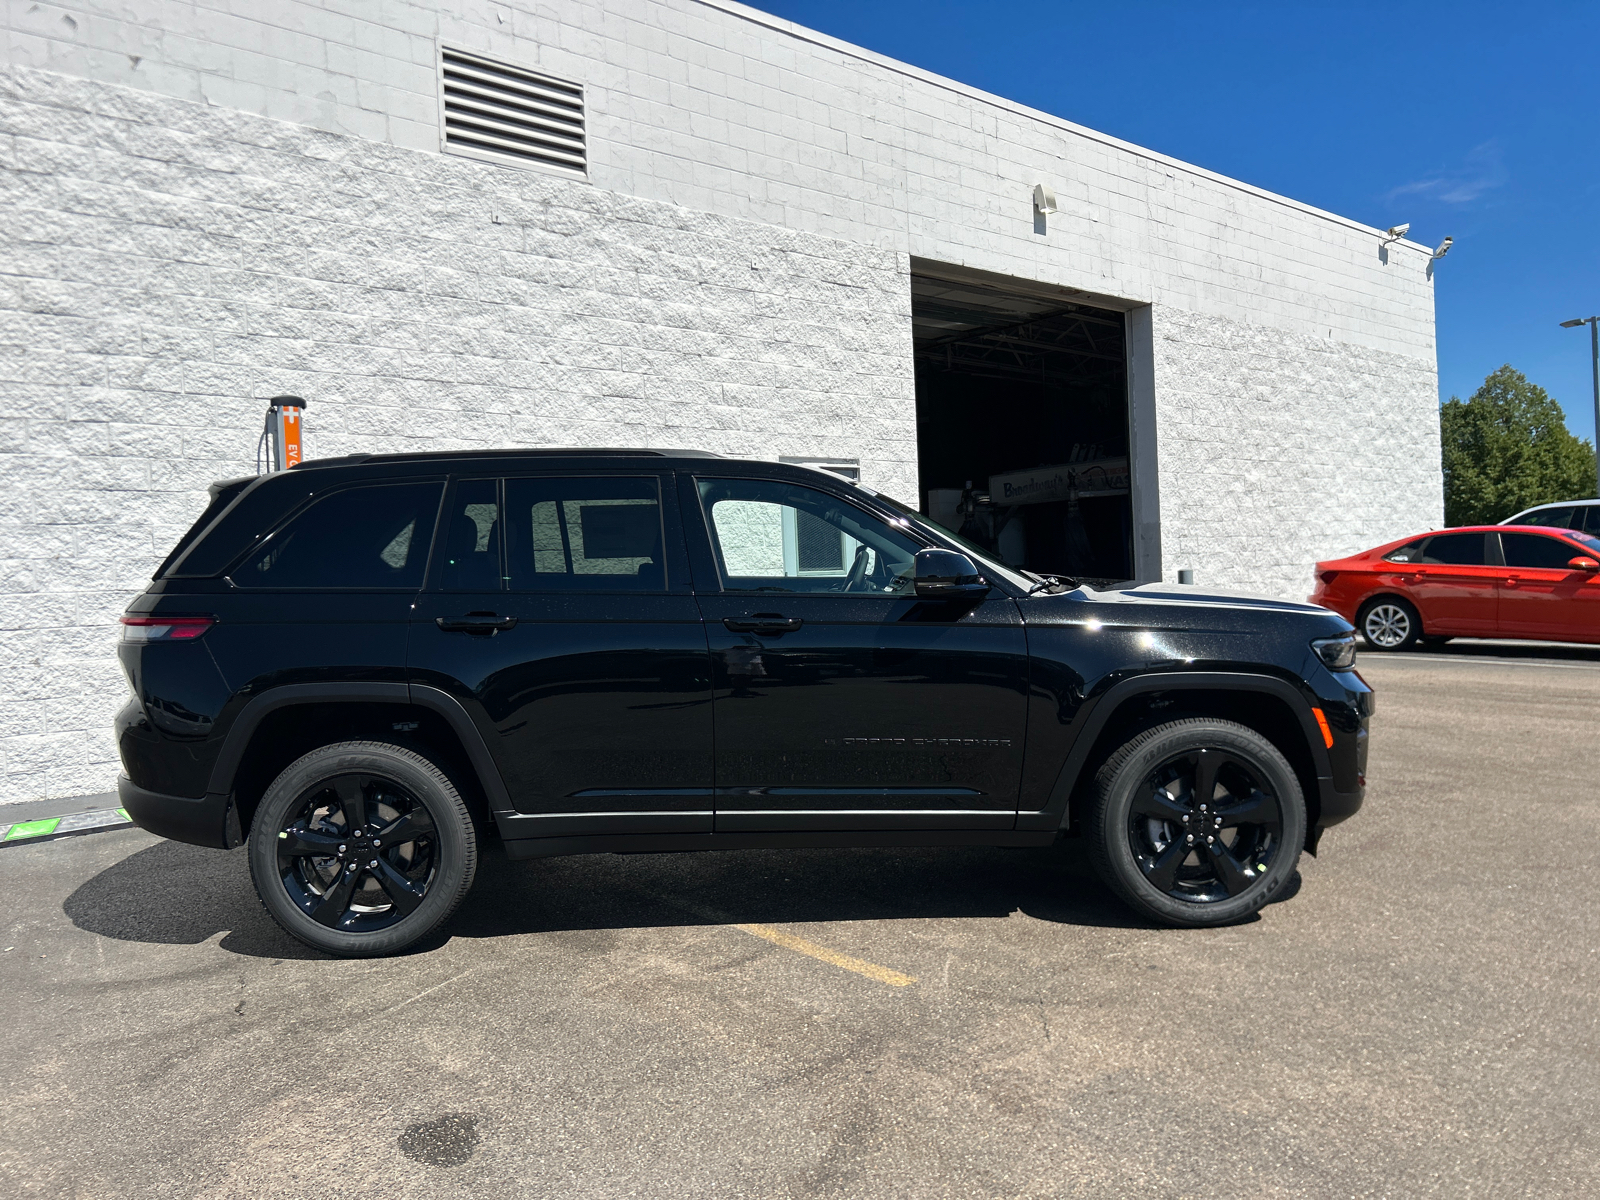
[(1022, 423)]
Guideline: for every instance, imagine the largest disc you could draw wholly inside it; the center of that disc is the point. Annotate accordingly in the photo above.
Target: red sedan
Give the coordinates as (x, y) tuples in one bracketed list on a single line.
[(1477, 581)]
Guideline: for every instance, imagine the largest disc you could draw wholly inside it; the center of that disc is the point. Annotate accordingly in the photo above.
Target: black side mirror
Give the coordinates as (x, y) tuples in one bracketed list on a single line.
[(946, 575)]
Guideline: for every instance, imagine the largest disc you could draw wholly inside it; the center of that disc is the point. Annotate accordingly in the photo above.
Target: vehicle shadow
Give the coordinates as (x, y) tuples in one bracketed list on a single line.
[(175, 894)]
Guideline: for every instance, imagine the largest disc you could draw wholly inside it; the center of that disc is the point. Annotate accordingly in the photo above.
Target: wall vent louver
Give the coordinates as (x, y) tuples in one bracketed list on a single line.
[(508, 114)]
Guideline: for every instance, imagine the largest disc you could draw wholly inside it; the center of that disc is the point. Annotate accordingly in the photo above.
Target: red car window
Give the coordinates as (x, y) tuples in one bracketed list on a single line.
[(1456, 549), (1535, 552)]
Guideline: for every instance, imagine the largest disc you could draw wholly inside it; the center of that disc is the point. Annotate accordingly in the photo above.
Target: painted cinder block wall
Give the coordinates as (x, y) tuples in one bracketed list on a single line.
[(206, 209)]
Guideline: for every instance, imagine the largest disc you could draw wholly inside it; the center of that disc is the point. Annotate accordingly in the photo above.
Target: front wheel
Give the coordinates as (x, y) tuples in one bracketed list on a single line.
[(361, 848), (1197, 822), (1389, 623)]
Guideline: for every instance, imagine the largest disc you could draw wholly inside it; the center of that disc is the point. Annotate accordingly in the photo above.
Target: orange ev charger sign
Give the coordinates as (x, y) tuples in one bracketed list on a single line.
[(290, 424)]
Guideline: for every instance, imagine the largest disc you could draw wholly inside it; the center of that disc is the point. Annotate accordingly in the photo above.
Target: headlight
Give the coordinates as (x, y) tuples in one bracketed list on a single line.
[(1337, 654)]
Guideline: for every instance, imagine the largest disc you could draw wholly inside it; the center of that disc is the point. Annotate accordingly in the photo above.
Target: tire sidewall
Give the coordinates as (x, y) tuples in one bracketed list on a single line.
[(455, 844), (1410, 640), (1125, 773)]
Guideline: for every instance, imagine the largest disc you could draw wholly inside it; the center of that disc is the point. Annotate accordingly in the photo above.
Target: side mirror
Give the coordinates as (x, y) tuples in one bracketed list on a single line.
[(946, 575), (1583, 563)]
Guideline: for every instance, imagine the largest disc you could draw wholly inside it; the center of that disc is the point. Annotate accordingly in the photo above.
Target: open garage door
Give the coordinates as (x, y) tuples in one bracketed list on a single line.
[(1022, 423)]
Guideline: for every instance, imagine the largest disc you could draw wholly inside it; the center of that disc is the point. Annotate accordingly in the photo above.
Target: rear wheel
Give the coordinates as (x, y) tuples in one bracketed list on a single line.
[(361, 848), (1389, 623), (1197, 822)]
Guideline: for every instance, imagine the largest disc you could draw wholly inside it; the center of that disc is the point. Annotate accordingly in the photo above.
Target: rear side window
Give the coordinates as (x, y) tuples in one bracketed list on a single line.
[(1455, 549), (361, 537), (1591, 519), (576, 534), (1535, 552)]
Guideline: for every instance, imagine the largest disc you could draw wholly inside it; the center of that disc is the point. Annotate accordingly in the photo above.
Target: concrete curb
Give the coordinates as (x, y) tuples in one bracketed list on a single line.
[(49, 829)]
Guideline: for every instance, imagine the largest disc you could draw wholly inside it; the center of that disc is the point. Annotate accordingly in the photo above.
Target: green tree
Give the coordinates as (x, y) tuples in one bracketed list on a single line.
[(1507, 448)]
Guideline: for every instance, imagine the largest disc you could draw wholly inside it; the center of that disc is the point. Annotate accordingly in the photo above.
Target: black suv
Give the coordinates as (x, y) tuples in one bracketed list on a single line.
[(364, 666)]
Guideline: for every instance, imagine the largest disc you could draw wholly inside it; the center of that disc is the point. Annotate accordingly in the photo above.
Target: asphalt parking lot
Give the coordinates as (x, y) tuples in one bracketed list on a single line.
[(1419, 1020)]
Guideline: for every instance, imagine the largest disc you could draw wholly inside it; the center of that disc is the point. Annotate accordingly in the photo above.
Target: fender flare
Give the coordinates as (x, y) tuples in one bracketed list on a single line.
[(237, 739), (1055, 813)]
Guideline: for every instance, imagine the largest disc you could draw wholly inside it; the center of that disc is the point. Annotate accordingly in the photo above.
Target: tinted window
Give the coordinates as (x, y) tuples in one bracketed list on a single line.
[(1409, 553), (470, 560), (1455, 549), (1558, 518), (361, 537), (1531, 550), (585, 534), (1591, 518), (782, 537)]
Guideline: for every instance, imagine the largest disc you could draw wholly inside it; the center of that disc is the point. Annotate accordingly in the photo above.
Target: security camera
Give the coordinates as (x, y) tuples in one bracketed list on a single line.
[(1444, 247), (1396, 232)]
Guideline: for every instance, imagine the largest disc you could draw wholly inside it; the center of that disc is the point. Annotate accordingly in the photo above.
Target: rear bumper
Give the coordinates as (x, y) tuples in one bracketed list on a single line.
[(209, 820)]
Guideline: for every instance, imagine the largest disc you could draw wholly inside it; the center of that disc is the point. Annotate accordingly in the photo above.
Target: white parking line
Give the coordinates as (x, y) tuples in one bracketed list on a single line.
[(1370, 659)]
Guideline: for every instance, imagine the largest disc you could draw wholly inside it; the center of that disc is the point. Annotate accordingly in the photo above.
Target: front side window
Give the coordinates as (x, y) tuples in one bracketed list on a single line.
[(585, 534), (1531, 551), (361, 537), (1455, 549), (784, 537)]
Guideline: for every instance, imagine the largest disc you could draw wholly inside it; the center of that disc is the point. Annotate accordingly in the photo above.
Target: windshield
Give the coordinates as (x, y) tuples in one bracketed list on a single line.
[(981, 556)]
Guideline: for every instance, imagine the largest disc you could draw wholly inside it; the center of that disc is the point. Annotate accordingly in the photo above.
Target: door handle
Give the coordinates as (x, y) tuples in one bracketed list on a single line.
[(481, 623), (762, 623)]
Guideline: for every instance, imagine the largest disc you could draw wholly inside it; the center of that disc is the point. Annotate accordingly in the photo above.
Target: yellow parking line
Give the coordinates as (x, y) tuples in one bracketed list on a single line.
[(789, 942)]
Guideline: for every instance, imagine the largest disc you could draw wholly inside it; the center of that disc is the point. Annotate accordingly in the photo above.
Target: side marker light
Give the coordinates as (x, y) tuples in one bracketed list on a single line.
[(1322, 724)]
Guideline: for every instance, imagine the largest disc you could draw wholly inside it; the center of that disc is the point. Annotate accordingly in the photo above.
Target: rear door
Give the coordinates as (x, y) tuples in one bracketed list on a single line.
[(559, 610), (1456, 585), (843, 702), (1541, 596)]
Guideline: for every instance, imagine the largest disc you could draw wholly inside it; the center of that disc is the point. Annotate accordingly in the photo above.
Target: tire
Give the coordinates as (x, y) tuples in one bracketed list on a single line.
[(1389, 623), (1146, 810), (327, 808)]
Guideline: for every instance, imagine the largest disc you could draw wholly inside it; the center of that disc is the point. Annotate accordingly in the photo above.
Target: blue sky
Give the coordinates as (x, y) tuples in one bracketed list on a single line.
[(1477, 120)]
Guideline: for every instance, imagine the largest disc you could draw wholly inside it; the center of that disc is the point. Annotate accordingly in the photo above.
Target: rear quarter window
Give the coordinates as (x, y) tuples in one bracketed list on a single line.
[(375, 536)]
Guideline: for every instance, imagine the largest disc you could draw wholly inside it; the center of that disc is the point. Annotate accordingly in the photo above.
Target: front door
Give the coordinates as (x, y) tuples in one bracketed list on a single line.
[(842, 701), (1455, 586), (1541, 596), (559, 609)]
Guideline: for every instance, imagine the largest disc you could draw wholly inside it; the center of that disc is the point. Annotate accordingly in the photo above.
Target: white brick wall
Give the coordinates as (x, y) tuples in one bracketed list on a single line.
[(209, 203), (167, 265)]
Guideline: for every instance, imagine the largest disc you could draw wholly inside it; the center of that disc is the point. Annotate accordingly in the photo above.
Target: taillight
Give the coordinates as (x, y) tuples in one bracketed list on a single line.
[(164, 629)]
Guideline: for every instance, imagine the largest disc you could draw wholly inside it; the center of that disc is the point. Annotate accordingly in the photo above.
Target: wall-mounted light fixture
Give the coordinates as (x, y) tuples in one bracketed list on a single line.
[(1044, 200)]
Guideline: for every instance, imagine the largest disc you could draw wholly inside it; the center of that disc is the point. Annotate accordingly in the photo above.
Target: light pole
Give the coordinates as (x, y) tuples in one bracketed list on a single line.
[(1594, 354)]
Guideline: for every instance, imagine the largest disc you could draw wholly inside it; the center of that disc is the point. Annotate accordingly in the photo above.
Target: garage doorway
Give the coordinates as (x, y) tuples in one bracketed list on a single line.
[(1022, 423)]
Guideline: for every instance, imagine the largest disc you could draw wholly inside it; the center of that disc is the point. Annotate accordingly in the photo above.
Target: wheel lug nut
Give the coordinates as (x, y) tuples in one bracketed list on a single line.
[(376, 842), (1210, 839), (374, 862), (1191, 839)]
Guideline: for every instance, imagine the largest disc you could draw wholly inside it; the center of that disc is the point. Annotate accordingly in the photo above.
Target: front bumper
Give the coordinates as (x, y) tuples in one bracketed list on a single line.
[(210, 820)]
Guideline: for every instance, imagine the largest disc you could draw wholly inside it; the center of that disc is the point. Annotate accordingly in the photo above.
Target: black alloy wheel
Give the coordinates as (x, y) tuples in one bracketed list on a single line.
[(361, 848), (1197, 822), (358, 853)]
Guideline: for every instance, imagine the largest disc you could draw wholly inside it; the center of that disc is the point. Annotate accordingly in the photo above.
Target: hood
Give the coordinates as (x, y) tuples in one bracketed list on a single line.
[(1184, 593)]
